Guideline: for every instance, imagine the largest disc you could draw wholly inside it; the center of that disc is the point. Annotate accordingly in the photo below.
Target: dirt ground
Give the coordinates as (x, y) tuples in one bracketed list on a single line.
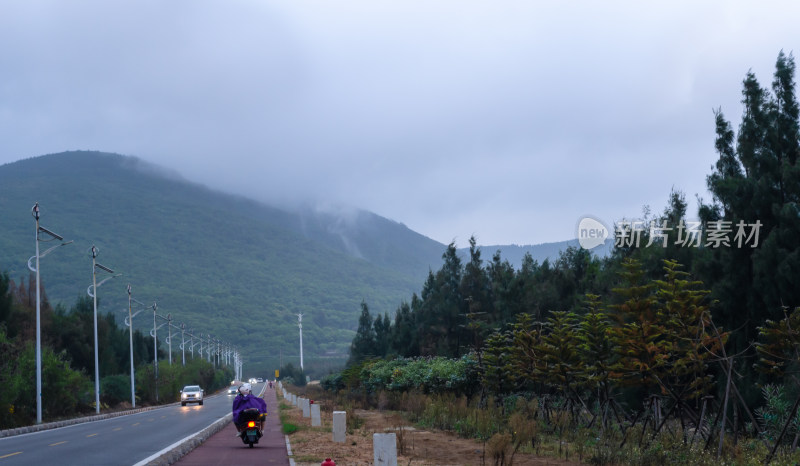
[(312, 445)]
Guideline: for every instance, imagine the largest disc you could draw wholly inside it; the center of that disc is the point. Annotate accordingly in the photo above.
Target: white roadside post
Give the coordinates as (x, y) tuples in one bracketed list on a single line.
[(384, 449), (339, 426), (316, 419)]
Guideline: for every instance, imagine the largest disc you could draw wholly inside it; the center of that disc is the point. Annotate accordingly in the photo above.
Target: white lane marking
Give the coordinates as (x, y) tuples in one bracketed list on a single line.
[(174, 445)]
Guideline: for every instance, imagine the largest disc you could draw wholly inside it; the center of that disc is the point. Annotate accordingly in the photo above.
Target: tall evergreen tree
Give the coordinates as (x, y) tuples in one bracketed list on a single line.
[(363, 345), (382, 327), (756, 182)]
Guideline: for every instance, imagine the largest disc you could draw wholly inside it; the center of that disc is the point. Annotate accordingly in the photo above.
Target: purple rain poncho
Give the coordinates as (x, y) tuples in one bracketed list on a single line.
[(242, 402)]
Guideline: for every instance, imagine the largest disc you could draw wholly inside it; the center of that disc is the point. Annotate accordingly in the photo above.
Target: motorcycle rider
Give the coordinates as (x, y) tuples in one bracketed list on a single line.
[(246, 400)]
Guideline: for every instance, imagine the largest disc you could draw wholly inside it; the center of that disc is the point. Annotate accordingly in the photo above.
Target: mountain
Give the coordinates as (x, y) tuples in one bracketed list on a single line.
[(222, 264), (539, 252)]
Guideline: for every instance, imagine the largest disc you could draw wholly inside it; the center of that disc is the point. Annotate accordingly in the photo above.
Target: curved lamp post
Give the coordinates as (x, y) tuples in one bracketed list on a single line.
[(129, 323), (169, 337), (191, 342), (53, 236), (154, 334), (92, 291), (183, 345)]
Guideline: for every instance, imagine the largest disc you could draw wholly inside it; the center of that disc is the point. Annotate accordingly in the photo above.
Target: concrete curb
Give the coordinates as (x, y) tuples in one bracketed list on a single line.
[(178, 452)]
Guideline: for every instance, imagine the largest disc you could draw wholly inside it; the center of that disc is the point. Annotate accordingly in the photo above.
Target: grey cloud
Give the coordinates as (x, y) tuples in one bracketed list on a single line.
[(505, 119)]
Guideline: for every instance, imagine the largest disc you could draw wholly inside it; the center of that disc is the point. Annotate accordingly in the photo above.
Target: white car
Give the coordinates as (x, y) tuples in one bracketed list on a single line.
[(253, 380), (259, 380), (192, 394)]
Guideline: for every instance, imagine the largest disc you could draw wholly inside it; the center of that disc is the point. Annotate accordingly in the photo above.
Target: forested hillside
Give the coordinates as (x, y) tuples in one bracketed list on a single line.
[(222, 264)]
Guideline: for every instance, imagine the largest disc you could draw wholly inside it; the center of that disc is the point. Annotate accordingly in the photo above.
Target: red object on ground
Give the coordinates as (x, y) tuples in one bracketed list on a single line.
[(328, 462)]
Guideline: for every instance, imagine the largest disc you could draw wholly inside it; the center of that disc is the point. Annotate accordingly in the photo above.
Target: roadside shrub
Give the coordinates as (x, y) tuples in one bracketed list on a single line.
[(115, 389)]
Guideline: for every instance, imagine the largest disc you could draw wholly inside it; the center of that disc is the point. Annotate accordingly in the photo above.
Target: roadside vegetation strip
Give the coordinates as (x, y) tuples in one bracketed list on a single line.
[(286, 426)]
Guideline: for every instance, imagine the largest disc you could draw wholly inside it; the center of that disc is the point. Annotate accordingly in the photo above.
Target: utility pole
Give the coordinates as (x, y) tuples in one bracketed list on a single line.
[(300, 324), (130, 336), (169, 336)]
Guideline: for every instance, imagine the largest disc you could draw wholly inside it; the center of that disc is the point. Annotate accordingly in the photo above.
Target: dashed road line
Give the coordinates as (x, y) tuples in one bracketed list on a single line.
[(57, 443)]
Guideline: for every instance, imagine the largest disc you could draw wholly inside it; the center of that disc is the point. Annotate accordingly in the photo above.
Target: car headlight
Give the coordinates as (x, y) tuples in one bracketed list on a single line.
[(183, 396)]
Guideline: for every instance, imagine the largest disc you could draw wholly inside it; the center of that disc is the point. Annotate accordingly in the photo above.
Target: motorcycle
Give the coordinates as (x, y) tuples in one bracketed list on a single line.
[(252, 426)]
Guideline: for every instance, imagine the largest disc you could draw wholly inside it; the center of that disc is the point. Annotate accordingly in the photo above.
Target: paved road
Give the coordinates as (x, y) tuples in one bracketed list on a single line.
[(224, 448), (123, 440)]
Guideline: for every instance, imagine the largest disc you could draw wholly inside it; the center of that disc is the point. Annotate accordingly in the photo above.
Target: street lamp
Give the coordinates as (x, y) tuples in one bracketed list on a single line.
[(154, 334), (129, 323), (92, 291), (191, 341), (183, 344), (200, 342), (53, 236), (300, 324), (169, 337)]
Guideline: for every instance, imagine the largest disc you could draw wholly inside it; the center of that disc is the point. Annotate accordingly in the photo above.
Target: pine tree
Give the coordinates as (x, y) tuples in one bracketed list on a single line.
[(637, 334), (382, 327), (499, 376), (363, 345), (757, 180), (596, 349)]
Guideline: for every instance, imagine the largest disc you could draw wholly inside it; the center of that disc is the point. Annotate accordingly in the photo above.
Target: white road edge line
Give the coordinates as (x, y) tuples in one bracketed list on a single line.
[(174, 445), (289, 451)]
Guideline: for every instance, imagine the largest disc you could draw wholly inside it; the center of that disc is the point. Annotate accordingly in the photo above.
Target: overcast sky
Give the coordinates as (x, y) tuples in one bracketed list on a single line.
[(508, 120)]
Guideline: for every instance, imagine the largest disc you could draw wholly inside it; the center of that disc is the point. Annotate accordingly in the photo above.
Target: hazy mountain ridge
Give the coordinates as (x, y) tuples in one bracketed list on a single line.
[(215, 261), (221, 263), (539, 252)]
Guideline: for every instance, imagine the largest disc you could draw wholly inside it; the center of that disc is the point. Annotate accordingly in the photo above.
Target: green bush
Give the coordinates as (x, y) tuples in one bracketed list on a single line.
[(115, 389), (65, 391), (427, 375), (333, 382)]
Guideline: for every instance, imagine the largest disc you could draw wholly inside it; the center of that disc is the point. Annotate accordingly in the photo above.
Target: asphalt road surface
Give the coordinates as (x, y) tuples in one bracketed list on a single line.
[(123, 440)]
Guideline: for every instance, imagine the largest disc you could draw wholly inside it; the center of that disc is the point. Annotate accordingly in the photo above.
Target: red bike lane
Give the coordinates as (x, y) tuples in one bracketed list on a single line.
[(225, 448)]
